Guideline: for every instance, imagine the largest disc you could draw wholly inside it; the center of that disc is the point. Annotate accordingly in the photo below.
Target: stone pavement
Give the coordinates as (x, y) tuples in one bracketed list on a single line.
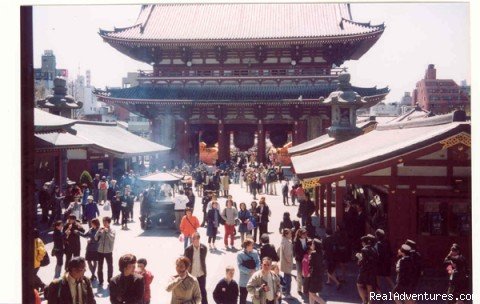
[(161, 247)]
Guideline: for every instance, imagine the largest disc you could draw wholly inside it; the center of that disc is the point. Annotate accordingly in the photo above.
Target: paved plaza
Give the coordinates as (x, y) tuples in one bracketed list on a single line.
[(161, 247)]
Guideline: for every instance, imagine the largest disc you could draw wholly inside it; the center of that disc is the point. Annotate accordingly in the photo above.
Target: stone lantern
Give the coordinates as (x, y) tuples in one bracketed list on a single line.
[(344, 103), (60, 103)]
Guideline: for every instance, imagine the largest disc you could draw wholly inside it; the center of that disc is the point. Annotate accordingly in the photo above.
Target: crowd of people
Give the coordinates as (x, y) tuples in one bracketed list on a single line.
[(265, 271)]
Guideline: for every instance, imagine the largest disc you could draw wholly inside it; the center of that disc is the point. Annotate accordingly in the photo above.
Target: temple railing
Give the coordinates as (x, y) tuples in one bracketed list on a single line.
[(239, 74)]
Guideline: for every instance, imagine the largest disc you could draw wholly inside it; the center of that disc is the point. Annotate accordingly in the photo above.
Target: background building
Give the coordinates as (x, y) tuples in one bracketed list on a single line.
[(45, 75), (439, 95)]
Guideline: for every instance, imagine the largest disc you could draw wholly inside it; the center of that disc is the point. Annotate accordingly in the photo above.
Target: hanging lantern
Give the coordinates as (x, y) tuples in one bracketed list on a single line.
[(210, 138), (243, 140), (278, 138)]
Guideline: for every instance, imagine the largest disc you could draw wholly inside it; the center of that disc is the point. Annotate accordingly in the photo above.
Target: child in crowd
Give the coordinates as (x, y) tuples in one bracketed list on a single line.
[(147, 277)]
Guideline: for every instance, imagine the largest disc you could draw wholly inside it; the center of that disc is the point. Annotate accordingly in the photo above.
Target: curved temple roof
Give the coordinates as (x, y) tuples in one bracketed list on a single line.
[(242, 21), (231, 93)]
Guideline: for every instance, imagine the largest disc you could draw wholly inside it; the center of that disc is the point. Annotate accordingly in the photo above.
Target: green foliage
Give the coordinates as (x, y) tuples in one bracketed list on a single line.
[(86, 178)]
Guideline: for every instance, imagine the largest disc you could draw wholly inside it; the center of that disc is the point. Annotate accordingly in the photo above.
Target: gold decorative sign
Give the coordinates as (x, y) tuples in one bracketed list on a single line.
[(310, 183), (461, 138)]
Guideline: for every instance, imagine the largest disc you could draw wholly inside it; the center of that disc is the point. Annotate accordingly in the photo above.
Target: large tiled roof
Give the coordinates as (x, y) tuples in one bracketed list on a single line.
[(233, 93), (242, 21), (386, 142)]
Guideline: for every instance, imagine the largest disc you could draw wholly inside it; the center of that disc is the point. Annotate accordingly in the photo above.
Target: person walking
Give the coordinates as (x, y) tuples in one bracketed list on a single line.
[(147, 279), (180, 204), (91, 210), (404, 268), (285, 185), (58, 249), (264, 213), (73, 287), (244, 216), (314, 272), (91, 254), (385, 255), (39, 253), (226, 290), (417, 261), (106, 239), (71, 232), (183, 286), (248, 261), (229, 215), (286, 222), (299, 250), (458, 278), (188, 226), (254, 219), (75, 208), (102, 190), (367, 259), (116, 205), (127, 287), (267, 249), (213, 221), (264, 285), (197, 254), (330, 248), (343, 250), (129, 197), (286, 261)]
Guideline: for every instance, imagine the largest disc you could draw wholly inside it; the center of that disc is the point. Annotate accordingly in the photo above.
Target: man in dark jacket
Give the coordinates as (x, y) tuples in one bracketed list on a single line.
[(60, 290), (417, 262), (127, 287), (405, 270), (197, 254), (71, 231), (226, 291), (267, 249)]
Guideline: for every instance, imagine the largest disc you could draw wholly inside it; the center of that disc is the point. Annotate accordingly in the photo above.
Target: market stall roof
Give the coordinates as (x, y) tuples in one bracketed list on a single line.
[(161, 177), (325, 140), (44, 121), (115, 139), (59, 140), (56, 132), (385, 142)]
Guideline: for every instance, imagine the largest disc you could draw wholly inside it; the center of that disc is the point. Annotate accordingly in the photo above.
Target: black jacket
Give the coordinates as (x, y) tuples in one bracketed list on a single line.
[(264, 215), (203, 254), (268, 250), (72, 241), (226, 293), (58, 292), (126, 290), (298, 250)]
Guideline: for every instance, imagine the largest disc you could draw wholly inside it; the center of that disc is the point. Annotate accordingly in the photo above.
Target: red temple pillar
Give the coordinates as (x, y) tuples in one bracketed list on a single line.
[(223, 142), (299, 132), (183, 140), (260, 143), (329, 205), (317, 199), (110, 165), (321, 197), (339, 206)]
